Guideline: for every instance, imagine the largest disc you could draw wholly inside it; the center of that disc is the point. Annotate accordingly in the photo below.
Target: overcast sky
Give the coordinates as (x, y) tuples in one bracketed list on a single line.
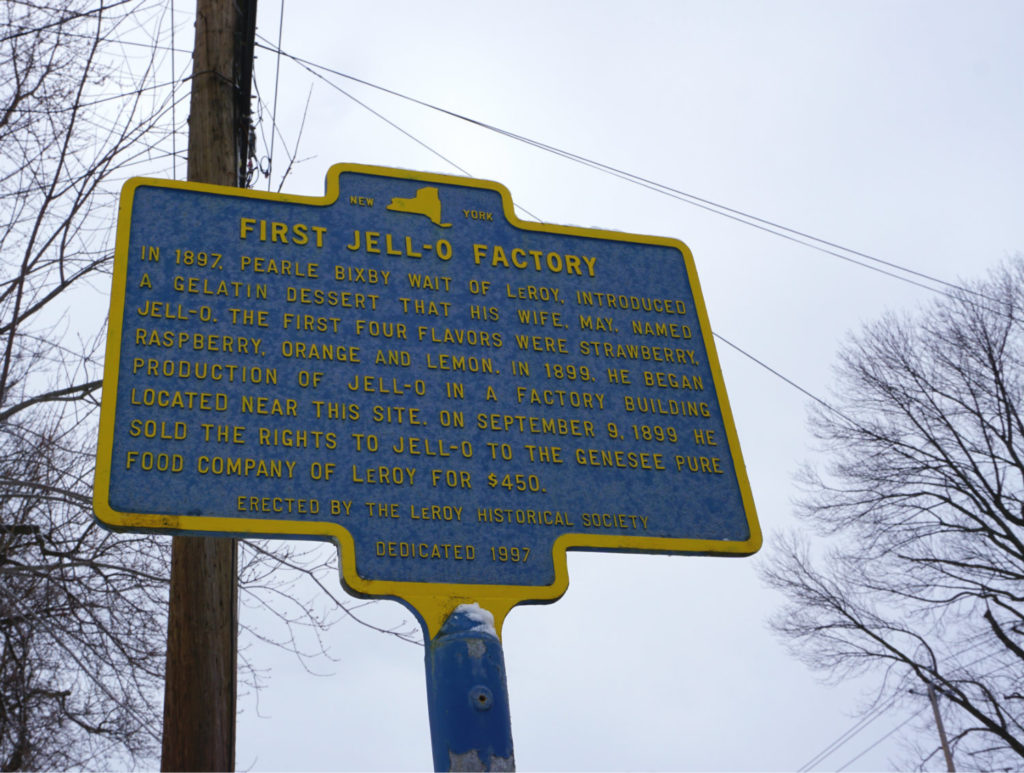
[(892, 128)]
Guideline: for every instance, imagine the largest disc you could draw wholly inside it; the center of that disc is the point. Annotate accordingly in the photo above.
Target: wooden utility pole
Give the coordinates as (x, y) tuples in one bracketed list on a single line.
[(942, 730), (202, 625)]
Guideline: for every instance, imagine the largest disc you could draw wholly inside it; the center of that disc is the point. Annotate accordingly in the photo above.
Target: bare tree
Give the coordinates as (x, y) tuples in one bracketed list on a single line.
[(84, 103), (81, 610), (919, 572)]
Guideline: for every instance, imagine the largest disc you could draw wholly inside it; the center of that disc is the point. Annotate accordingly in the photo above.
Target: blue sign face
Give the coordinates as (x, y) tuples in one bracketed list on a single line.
[(454, 395)]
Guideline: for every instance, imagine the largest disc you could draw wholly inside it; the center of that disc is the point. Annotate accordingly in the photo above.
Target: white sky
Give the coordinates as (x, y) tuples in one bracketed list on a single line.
[(894, 128)]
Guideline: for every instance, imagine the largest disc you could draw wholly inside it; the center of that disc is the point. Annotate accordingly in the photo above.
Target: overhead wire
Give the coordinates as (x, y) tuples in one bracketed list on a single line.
[(174, 116), (777, 229), (273, 112), (377, 113), (847, 736), (313, 68), (786, 379), (399, 129), (878, 711), (875, 745), (824, 246)]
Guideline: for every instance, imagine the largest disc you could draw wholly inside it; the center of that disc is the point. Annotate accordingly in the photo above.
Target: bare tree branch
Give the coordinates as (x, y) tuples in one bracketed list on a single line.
[(917, 572)]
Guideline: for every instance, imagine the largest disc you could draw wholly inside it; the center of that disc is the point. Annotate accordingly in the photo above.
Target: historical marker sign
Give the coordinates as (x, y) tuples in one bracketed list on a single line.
[(455, 396)]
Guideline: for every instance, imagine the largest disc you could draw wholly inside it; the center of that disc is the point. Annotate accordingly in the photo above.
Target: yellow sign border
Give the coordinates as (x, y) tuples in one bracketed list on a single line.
[(432, 601)]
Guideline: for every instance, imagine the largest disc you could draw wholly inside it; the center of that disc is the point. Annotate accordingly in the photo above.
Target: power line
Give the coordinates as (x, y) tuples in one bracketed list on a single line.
[(847, 736), (789, 381), (464, 172), (391, 123), (174, 116), (907, 721), (875, 713), (311, 67), (273, 110), (377, 113), (822, 245), (777, 229)]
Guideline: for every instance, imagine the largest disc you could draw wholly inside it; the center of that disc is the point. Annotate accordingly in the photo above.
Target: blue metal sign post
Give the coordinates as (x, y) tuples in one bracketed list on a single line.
[(453, 396), (467, 694)]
